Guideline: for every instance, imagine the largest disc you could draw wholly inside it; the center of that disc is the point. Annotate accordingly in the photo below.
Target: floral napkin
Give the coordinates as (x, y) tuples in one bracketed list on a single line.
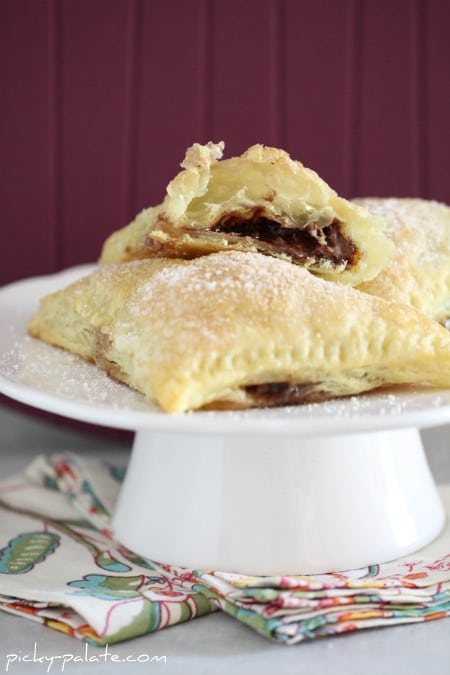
[(60, 565)]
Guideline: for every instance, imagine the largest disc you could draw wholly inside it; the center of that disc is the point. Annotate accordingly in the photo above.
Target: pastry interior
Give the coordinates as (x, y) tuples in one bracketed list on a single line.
[(261, 201)]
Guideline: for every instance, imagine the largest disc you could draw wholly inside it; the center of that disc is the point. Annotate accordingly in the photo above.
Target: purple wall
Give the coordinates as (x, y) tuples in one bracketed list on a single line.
[(100, 98)]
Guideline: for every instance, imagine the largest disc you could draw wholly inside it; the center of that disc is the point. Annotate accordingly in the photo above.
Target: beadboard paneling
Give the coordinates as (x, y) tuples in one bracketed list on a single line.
[(242, 76), (170, 93), (28, 228), (93, 49), (388, 73), (100, 98), (435, 34), (319, 45)]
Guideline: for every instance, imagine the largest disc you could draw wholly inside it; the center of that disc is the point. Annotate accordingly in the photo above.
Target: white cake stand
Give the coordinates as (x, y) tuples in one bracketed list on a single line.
[(301, 490)]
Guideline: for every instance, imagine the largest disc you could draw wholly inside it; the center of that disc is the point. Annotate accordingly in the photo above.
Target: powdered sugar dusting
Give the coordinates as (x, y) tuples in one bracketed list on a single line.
[(35, 366), (417, 211), (40, 366), (235, 274), (214, 301), (427, 222), (418, 273)]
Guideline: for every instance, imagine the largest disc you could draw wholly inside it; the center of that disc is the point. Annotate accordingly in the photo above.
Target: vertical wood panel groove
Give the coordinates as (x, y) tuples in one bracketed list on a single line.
[(436, 103), (350, 97), (419, 141), (55, 130), (278, 79), (207, 70), (355, 102), (320, 109), (242, 48), (422, 38), (202, 78), (132, 72)]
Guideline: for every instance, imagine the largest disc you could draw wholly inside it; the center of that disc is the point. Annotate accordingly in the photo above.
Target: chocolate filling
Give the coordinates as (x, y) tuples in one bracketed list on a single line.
[(311, 241), (284, 393)]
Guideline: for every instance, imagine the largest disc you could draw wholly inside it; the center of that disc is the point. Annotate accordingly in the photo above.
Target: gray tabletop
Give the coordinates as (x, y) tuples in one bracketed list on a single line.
[(214, 644)]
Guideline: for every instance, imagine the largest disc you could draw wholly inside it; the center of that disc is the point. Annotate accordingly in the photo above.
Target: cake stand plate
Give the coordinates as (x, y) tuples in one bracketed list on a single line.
[(298, 490)]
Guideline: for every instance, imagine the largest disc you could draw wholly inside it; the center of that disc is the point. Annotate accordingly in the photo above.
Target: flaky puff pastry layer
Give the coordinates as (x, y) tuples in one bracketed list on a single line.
[(418, 273), (240, 330), (262, 201)]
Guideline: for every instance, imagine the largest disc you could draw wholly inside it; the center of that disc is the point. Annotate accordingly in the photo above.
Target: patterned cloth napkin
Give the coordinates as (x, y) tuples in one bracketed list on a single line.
[(60, 565)]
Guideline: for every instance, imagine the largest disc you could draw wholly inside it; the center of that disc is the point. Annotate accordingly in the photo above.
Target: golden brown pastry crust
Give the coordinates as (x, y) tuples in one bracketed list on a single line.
[(237, 330), (261, 202), (418, 273)]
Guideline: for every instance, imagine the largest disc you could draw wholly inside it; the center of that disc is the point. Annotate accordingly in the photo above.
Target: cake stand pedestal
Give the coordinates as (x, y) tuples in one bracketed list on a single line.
[(278, 505)]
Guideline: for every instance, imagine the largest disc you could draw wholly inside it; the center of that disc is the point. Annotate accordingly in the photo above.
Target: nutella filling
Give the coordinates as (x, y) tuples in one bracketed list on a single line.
[(311, 241), (284, 393)]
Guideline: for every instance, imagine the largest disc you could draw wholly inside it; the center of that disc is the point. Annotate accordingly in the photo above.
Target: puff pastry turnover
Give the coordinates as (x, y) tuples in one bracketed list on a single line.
[(237, 329), (261, 202), (418, 273)]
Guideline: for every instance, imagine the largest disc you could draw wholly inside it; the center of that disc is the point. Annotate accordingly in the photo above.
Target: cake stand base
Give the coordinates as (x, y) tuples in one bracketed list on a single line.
[(278, 505)]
